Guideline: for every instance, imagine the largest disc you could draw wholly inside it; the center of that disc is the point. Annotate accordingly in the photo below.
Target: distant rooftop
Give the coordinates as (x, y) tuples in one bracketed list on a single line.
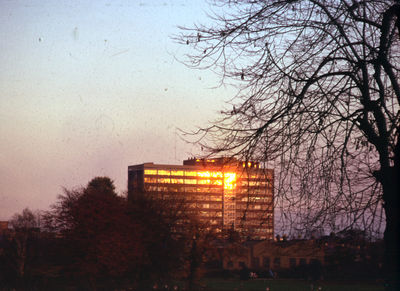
[(220, 162)]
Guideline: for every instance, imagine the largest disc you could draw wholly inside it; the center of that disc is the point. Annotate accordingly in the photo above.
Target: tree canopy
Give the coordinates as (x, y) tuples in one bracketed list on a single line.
[(318, 99), (111, 241)]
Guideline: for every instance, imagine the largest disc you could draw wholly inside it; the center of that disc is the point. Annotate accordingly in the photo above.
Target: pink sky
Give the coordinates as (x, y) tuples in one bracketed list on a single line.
[(90, 87)]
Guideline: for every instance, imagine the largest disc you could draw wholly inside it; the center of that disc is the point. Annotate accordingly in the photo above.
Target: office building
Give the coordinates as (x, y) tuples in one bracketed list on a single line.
[(225, 193)]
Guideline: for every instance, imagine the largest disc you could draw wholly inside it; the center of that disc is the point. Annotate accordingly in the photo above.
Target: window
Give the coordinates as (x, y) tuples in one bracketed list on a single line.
[(190, 173), (150, 179), (255, 263), (303, 262), (277, 262), (190, 189), (266, 262), (164, 172), (150, 172), (177, 173), (217, 182), (204, 182), (315, 262), (190, 181), (177, 181), (215, 190), (292, 262)]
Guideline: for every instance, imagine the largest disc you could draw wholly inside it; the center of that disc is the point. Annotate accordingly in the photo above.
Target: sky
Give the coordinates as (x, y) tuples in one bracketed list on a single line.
[(90, 87)]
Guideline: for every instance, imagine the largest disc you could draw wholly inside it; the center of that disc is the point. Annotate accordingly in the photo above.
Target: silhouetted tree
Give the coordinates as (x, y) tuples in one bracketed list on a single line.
[(103, 243), (200, 238), (178, 242), (319, 94), (21, 250), (111, 242), (162, 238)]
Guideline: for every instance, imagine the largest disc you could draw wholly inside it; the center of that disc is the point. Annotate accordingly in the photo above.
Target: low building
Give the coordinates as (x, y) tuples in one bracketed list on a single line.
[(3, 226), (276, 255), (342, 256)]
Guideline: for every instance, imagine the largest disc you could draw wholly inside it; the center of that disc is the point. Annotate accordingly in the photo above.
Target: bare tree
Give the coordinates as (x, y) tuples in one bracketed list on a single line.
[(318, 94), (25, 226)]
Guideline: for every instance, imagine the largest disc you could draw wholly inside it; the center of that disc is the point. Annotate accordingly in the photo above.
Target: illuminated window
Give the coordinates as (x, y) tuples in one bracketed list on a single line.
[(190, 181), (176, 181), (164, 180), (204, 182), (208, 174), (216, 174), (204, 174), (229, 181), (177, 173), (217, 182), (216, 198), (254, 183), (258, 191), (150, 172), (216, 206), (164, 172), (190, 173)]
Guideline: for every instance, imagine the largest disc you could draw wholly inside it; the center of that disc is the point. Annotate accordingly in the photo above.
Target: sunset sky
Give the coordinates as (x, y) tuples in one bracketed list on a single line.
[(90, 87)]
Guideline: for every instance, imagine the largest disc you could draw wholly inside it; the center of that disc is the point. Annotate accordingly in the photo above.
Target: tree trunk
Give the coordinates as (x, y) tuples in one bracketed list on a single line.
[(193, 265), (390, 180)]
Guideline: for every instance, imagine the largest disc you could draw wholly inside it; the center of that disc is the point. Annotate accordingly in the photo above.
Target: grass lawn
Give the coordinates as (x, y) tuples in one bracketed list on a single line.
[(285, 285)]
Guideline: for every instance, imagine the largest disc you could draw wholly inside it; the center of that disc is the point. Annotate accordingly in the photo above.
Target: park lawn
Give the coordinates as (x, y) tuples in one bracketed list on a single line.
[(285, 285)]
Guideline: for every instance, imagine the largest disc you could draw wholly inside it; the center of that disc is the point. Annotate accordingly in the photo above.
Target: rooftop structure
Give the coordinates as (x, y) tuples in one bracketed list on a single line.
[(224, 192)]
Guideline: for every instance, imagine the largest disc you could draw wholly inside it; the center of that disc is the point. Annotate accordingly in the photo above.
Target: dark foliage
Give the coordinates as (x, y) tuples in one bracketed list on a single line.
[(92, 239), (318, 98)]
